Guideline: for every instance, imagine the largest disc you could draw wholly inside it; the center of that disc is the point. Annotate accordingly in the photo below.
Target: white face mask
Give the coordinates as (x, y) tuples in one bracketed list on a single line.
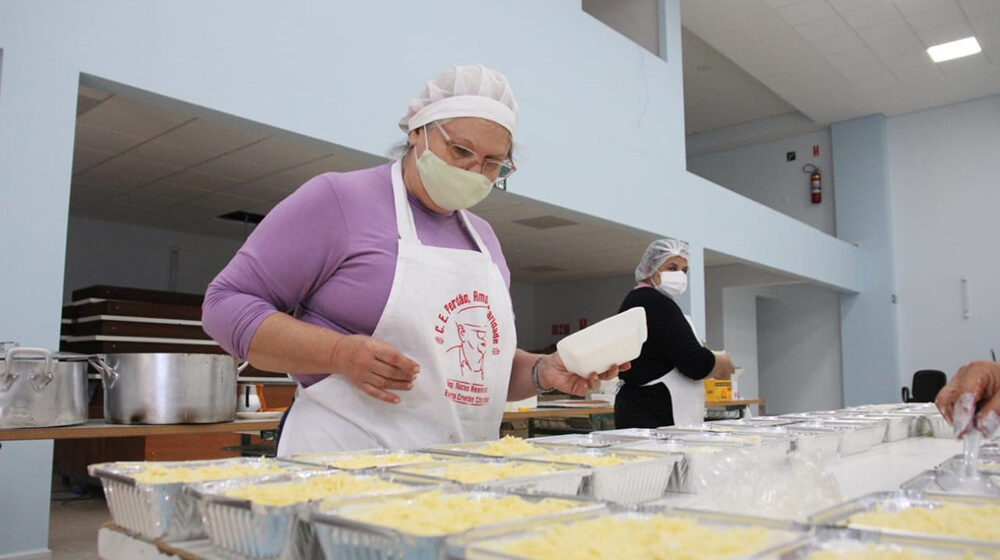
[(673, 283), (450, 187)]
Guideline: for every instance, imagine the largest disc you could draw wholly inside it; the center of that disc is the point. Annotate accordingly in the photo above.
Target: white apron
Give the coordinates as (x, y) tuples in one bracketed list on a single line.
[(449, 310), (687, 395)]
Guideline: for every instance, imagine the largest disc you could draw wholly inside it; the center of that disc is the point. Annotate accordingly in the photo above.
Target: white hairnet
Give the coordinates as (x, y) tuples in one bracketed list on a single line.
[(463, 91), (657, 252)]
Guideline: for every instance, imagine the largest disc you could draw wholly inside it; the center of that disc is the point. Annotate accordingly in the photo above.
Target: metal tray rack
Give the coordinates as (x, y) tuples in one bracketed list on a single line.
[(562, 479), (161, 510), (838, 516), (481, 545), (643, 477), (341, 537), (239, 528)]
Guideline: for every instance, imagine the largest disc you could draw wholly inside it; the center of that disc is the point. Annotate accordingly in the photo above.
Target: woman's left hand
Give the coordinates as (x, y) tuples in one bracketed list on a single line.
[(552, 373)]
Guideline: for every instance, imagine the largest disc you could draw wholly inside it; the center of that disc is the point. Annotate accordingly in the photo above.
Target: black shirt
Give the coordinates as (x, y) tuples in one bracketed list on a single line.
[(670, 343)]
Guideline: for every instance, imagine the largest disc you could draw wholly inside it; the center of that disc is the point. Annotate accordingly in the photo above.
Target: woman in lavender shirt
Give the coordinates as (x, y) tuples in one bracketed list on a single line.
[(384, 297)]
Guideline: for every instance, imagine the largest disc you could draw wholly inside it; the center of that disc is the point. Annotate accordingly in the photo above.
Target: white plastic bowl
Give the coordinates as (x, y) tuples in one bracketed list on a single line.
[(613, 341)]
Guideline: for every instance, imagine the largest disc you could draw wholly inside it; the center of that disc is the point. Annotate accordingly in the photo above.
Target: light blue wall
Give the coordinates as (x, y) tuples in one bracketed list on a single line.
[(945, 222), (602, 127), (868, 318)]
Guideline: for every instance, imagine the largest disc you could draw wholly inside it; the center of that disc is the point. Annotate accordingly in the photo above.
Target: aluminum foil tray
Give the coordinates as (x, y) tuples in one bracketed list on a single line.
[(341, 537), (765, 448), (162, 510), (837, 516), (926, 482), (634, 433), (817, 442), (592, 440), (486, 545), (855, 437), (475, 448), (934, 425), (368, 459), (564, 479), (698, 458), (848, 543), (901, 426), (239, 528), (644, 477)]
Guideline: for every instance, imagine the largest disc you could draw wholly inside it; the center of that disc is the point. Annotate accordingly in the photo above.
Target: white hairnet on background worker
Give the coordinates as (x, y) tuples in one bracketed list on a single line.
[(463, 91), (657, 252)]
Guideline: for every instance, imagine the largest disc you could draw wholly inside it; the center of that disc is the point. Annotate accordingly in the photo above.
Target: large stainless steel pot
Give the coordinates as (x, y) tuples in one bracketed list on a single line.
[(41, 389), (161, 388)]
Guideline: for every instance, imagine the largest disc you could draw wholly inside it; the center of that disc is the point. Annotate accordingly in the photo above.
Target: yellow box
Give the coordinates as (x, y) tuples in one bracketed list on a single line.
[(718, 390)]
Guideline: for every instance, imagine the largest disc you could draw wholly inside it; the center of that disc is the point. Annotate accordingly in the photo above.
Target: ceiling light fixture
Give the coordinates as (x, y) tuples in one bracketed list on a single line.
[(954, 49)]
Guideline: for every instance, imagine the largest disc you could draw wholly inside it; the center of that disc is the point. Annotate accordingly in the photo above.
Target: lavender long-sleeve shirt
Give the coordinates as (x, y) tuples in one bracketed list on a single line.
[(327, 255)]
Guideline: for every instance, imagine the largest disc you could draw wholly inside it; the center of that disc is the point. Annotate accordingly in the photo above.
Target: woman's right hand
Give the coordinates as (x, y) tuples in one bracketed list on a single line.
[(972, 394), (724, 368), (374, 366)]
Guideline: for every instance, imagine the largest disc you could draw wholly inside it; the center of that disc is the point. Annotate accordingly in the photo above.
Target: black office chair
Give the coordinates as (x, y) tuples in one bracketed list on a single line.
[(926, 384)]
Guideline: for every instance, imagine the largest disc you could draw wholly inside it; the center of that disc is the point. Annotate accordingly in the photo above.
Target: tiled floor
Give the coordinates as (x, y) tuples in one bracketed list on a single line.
[(73, 524)]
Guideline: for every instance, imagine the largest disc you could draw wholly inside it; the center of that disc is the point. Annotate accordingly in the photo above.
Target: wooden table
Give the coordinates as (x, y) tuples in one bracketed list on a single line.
[(96, 428)]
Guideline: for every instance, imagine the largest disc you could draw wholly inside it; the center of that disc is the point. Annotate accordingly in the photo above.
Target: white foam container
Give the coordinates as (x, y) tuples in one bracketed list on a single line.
[(615, 340)]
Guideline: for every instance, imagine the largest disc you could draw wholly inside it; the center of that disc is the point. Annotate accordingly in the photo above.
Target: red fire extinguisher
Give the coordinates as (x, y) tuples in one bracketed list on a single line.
[(815, 182)]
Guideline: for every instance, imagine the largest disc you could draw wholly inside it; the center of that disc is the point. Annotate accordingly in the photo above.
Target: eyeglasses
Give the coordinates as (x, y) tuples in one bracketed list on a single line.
[(464, 157)]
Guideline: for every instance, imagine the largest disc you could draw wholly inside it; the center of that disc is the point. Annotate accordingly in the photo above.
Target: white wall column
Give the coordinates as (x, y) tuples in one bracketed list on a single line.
[(38, 116)]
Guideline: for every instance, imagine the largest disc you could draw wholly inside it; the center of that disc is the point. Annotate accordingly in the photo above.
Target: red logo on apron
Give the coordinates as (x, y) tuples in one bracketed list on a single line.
[(468, 329)]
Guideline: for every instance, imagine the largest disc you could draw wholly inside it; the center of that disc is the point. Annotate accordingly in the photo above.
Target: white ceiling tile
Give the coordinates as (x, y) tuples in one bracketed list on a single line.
[(989, 41), (204, 136), (85, 158), (142, 200), (276, 154), (886, 31), (857, 57), (172, 191), (873, 14), (241, 170), (919, 75), (944, 34), (779, 3), (103, 139), (221, 202), (199, 180), (165, 152), (848, 5), (129, 117), (839, 43), (909, 7), (945, 15), (874, 82), (976, 8), (805, 11), (139, 170), (897, 47), (104, 179), (988, 23), (256, 192), (908, 61), (967, 67), (825, 27)]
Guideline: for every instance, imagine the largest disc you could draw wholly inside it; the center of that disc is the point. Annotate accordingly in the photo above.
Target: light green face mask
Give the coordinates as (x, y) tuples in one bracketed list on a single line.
[(450, 187)]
